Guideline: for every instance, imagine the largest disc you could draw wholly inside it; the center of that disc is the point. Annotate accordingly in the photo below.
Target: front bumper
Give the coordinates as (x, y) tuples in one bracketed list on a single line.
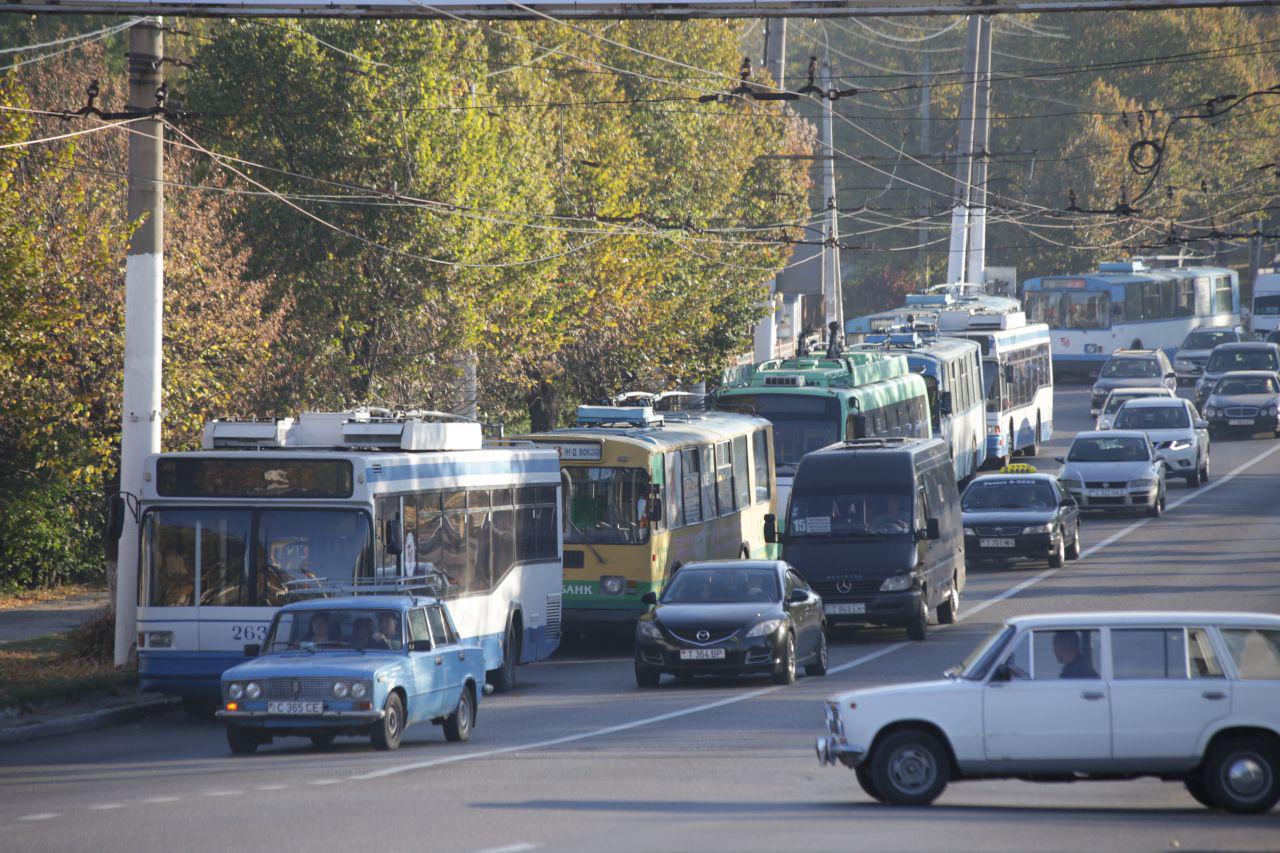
[(1181, 462), (756, 656), (880, 608), (1259, 423), (300, 724), (1035, 546), (833, 747), (1134, 500)]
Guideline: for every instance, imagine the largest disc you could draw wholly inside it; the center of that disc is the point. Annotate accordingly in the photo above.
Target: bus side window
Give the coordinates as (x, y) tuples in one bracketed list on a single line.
[(760, 453), (741, 479), (430, 533), (691, 484), (707, 469), (482, 569), (673, 510)]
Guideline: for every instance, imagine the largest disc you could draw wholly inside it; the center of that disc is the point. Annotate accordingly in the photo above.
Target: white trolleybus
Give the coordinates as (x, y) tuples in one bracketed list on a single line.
[(1017, 376), (273, 509)]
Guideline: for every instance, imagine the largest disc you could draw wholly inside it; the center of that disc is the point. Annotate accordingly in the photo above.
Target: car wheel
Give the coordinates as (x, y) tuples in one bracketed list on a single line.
[(818, 666), (1242, 775), (1204, 470), (242, 741), (1157, 506), (949, 610), (1073, 550), (323, 741), (1059, 555), (387, 731), (646, 677), (1196, 789), (786, 671), (1193, 479), (918, 623), (503, 678), (457, 726), (910, 768), (868, 784)]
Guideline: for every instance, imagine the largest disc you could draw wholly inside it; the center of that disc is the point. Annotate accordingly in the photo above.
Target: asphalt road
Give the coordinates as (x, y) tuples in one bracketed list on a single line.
[(579, 759)]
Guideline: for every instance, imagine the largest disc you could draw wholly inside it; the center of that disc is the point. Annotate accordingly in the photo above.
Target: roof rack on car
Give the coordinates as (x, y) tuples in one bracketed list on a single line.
[(429, 584)]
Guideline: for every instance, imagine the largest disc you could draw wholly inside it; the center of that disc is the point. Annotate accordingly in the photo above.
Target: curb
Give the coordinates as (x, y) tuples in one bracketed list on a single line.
[(88, 721)]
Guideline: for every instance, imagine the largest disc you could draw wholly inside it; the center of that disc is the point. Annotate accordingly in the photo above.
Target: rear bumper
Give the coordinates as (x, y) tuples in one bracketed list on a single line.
[(194, 675)]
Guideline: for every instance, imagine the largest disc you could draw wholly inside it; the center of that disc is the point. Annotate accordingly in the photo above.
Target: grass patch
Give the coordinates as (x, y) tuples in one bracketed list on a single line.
[(57, 669)]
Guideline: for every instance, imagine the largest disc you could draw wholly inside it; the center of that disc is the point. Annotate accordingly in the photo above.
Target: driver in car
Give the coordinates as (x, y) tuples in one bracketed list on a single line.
[(1066, 648), (894, 519)]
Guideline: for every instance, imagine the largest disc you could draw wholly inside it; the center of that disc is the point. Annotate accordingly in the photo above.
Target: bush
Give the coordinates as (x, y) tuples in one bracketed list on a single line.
[(95, 639), (50, 533)]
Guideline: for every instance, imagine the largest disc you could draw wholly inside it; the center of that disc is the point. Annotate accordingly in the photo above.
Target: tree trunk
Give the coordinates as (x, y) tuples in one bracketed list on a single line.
[(544, 404)]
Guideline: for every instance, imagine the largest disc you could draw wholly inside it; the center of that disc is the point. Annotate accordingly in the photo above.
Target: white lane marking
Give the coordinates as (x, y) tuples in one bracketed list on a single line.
[(1119, 534), (621, 727), (40, 816), (105, 807), (158, 800), (511, 848), (323, 782), (272, 787), (222, 793)]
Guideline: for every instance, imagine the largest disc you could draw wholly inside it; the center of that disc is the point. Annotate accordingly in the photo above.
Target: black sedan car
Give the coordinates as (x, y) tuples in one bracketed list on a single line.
[(1020, 516), (738, 617)]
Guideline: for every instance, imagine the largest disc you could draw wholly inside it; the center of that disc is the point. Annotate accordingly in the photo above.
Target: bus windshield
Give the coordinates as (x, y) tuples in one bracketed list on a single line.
[(1209, 340), (337, 628), (801, 423), (241, 557), (606, 506), (850, 512), (991, 384)]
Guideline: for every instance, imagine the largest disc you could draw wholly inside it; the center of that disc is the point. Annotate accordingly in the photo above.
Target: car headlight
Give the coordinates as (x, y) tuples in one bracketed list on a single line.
[(648, 629), (612, 585), (1211, 411), (1038, 528), (765, 628), (1142, 484), (359, 690), (252, 690), (1071, 481), (341, 689), (1270, 410), (1180, 444), (235, 690), (969, 531), (897, 583)]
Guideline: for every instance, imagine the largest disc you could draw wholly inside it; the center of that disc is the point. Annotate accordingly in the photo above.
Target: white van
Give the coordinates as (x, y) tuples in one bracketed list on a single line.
[(1266, 303)]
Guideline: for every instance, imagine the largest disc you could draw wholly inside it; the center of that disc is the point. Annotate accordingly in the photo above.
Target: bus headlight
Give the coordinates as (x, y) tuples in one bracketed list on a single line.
[(612, 585), (252, 690), (359, 690), (341, 689), (159, 639), (235, 690)]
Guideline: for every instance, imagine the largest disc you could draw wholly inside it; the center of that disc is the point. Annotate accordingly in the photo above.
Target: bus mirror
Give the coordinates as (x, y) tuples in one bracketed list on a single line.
[(392, 537), (115, 517), (944, 402), (649, 598), (252, 650), (771, 528), (932, 529), (654, 509)]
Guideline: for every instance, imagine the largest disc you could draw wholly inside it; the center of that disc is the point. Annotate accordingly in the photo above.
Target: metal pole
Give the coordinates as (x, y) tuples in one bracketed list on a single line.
[(982, 137), (964, 155), (765, 334), (830, 254), (143, 312)]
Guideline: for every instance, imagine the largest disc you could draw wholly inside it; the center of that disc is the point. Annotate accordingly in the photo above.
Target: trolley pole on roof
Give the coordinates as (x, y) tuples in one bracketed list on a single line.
[(143, 311), (956, 259)]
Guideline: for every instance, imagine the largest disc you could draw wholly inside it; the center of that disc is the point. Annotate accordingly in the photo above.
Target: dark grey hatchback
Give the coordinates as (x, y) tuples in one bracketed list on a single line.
[(738, 617)]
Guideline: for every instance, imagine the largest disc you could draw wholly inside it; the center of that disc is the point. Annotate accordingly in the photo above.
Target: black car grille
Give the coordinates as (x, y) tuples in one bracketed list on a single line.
[(1002, 530), (844, 588), (1242, 412), (713, 636)]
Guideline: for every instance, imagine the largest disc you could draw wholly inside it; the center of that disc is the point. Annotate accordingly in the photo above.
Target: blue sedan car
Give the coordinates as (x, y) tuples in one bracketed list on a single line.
[(364, 666)]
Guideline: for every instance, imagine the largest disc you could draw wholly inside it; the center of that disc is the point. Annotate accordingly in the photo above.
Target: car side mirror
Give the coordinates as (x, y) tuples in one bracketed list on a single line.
[(1201, 424), (1061, 460), (649, 598), (771, 528), (392, 536), (944, 402), (419, 645), (1067, 500), (932, 529), (252, 650), (1002, 673), (1171, 375), (798, 596)]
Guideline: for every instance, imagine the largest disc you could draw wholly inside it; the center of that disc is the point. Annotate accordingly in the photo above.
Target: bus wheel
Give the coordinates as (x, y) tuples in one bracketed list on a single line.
[(1034, 448), (503, 678)]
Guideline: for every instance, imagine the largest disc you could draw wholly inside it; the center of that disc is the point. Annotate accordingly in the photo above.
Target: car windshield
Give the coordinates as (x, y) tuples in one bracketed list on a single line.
[(852, 512), (802, 423), (1120, 448), (1209, 340), (336, 628), (975, 666), (1131, 368), (1233, 385), (606, 506), (993, 493), (723, 585), (1223, 361), (1153, 417)]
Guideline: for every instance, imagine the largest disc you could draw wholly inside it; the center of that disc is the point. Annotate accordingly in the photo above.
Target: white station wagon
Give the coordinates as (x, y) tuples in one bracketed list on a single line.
[(1189, 697)]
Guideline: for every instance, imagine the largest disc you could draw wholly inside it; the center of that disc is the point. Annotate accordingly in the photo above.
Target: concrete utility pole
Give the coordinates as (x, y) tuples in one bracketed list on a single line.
[(964, 155), (143, 311), (831, 285), (926, 145), (981, 138), (765, 334)]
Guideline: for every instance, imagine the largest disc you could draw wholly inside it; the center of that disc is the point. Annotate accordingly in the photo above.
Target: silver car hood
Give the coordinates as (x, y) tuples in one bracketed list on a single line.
[(1113, 471)]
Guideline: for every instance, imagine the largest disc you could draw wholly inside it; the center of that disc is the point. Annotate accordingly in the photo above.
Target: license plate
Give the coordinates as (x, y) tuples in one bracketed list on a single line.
[(844, 609), (702, 654), (1240, 422), (997, 543), (295, 708), (1105, 493)]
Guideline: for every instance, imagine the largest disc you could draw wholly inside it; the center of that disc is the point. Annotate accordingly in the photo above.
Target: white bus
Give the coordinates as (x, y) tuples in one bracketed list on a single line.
[(952, 372), (1017, 375), (270, 509)]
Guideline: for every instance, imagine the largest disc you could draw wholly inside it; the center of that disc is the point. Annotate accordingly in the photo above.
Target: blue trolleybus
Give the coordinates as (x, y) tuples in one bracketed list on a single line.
[(270, 510), (1126, 305)]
